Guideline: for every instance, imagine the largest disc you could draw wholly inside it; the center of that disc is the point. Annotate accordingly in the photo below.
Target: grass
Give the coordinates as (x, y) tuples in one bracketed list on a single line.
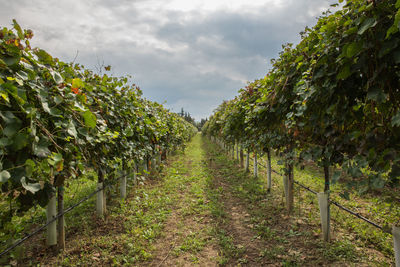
[(202, 209), (354, 247), (127, 235), (35, 217), (379, 206)]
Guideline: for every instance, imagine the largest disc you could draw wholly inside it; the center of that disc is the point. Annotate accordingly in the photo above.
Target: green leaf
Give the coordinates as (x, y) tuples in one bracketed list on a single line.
[(13, 90), (368, 23), (29, 167), (56, 76), (55, 112), (5, 141), (57, 157), (44, 165), (396, 57), (9, 117), (345, 195), (31, 187), (336, 176), (45, 106), (41, 150), (11, 130), (128, 132), (44, 57), (396, 120), (2, 64), (353, 49), (22, 75), (377, 95), (79, 107), (395, 172), (4, 176), (355, 172), (58, 99), (395, 27), (378, 183), (344, 72), (388, 46), (20, 141), (89, 118), (10, 61), (18, 28), (71, 129)]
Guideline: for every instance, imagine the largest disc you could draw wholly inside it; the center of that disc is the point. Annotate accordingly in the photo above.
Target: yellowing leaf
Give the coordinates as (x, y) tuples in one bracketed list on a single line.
[(89, 118), (77, 83)]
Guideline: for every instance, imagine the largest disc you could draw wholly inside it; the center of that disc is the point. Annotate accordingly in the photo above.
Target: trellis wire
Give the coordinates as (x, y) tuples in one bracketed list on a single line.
[(337, 204), (41, 228)]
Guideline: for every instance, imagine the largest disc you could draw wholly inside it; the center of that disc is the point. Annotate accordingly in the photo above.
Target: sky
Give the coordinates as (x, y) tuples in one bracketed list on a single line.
[(190, 54)]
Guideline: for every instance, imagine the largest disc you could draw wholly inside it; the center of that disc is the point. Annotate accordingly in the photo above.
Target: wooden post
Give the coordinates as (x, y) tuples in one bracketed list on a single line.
[(100, 195), (324, 205), (61, 219), (396, 244), (237, 151), (241, 157), (255, 165), (285, 187), (122, 184), (99, 200), (323, 201), (51, 213), (145, 168), (155, 163), (247, 160), (104, 198), (135, 172), (288, 186), (269, 174)]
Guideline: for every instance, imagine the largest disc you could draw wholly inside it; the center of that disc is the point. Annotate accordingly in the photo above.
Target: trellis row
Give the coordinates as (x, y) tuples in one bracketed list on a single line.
[(51, 210), (323, 201)]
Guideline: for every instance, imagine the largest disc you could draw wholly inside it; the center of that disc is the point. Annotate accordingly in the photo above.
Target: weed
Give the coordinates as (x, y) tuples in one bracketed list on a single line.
[(340, 250)]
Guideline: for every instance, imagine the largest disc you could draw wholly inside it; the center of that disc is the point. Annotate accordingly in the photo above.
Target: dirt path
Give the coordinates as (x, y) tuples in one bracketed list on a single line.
[(239, 226), (247, 249), (186, 239), (208, 226)]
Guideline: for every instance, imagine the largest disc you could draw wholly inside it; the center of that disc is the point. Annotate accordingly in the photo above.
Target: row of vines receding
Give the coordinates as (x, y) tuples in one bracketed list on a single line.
[(59, 120), (334, 98)]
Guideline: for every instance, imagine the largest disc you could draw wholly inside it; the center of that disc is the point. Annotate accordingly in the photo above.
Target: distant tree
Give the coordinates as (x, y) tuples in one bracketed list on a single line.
[(201, 123), (186, 115)]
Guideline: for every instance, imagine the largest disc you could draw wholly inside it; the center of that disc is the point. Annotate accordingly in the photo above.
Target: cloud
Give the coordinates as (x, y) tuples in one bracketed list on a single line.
[(190, 54)]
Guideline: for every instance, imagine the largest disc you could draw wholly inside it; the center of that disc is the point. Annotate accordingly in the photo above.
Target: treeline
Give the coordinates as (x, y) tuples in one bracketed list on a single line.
[(186, 115)]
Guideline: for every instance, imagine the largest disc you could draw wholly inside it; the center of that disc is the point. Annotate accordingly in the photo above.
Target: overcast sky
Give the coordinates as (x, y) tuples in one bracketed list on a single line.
[(186, 53)]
